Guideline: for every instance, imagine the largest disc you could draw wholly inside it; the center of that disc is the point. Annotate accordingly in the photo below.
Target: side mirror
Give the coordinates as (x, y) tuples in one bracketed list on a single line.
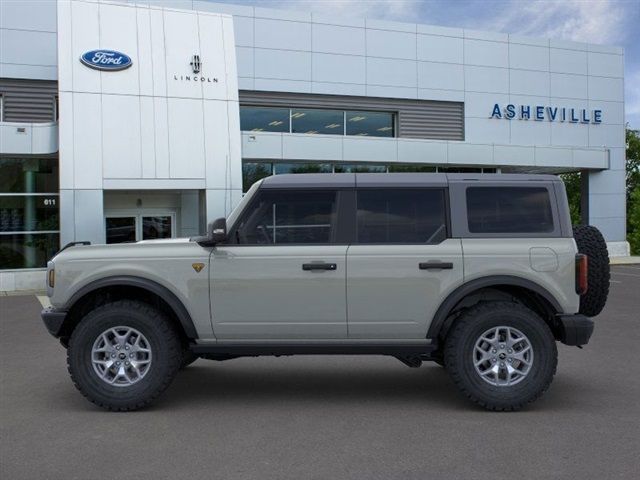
[(217, 231)]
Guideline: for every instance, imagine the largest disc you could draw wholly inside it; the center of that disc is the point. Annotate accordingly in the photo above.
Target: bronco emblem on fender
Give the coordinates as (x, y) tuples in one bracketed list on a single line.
[(197, 267)]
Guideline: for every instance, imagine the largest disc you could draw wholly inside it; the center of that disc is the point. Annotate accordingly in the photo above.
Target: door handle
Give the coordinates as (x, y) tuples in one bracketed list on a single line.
[(319, 266), (435, 265)]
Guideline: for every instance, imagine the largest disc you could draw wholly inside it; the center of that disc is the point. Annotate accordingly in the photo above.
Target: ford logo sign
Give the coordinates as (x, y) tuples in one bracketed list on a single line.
[(108, 60)]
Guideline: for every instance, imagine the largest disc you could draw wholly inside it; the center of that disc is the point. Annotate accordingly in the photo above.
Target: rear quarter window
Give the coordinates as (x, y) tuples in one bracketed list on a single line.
[(509, 210)]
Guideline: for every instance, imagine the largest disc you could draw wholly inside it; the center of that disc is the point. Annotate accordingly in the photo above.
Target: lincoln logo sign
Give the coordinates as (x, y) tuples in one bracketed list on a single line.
[(108, 60), (551, 114)]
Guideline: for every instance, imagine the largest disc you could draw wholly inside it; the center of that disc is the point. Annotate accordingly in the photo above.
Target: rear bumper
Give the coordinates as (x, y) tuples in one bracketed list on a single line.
[(575, 330), (54, 320)]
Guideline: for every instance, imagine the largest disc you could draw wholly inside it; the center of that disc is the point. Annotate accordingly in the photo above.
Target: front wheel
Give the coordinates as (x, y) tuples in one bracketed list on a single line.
[(123, 355), (501, 355)]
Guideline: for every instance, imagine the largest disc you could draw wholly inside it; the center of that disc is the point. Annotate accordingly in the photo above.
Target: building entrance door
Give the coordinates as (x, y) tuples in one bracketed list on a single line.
[(123, 228)]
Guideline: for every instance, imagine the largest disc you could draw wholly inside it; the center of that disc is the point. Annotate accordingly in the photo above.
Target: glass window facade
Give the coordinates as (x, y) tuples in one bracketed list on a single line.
[(264, 119), (360, 168), (29, 212), (328, 122), (280, 168), (372, 124), (317, 121)]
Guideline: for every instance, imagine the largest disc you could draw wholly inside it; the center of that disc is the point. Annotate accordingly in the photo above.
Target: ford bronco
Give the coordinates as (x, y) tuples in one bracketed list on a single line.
[(482, 274)]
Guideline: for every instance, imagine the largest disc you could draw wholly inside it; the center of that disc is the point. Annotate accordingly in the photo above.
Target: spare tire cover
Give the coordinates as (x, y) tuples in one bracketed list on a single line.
[(591, 243)]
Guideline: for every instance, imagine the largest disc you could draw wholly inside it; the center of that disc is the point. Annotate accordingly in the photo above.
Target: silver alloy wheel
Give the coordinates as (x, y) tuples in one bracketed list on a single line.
[(121, 356), (503, 356)]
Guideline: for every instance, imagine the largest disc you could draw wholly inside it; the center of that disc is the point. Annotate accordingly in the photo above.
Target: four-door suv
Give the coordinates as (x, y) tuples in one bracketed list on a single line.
[(480, 273)]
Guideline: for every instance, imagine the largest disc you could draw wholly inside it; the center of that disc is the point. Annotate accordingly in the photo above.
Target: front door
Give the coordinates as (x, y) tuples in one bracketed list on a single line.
[(125, 227), (282, 276), (402, 262)]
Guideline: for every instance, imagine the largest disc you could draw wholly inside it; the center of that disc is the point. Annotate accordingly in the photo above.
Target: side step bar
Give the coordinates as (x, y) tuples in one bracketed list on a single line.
[(243, 349)]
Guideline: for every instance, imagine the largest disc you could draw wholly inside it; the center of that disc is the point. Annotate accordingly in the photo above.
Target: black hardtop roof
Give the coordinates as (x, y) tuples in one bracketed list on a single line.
[(346, 180)]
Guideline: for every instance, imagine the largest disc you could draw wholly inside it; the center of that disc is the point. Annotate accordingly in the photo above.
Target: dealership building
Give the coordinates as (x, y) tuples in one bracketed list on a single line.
[(125, 121)]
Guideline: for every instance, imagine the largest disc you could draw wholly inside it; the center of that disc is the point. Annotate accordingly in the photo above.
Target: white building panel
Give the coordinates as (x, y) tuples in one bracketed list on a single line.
[(610, 89), (505, 155), (186, 138), (526, 82), (569, 134), (435, 48), (338, 68), (312, 147), (486, 79), (566, 85), (145, 51), (387, 44), (338, 39), (446, 76), (484, 53), (182, 29), (420, 151), (85, 35), (118, 31), (282, 34), (87, 141), (121, 149), (284, 65), (606, 64), (530, 132), (487, 130), (391, 72), (568, 61), (528, 57)]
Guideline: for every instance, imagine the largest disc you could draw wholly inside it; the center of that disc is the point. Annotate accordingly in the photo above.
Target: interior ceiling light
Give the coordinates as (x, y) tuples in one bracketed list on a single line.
[(333, 125), (356, 119), (384, 129), (257, 129), (275, 123), (312, 131), (298, 115), (362, 134)]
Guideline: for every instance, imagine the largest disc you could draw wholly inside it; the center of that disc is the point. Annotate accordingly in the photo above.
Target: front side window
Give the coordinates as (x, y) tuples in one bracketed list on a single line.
[(401, 216), (509, 210), (289, 217)]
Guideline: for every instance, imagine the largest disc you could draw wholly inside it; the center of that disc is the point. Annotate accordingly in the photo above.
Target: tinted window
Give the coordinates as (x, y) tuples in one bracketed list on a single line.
[(509, 210), (317, 121), (252, 172), (372, 124), (344, 168), (302, 168), (285, 217), (401, 216), (261, 119)]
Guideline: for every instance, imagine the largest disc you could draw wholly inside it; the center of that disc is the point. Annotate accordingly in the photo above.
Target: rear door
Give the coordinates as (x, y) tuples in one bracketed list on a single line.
[(402, 264), (283, 276)]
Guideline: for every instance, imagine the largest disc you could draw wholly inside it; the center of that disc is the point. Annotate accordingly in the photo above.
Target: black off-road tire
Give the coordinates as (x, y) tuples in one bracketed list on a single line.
[(460, 344), (165, 346), (591, 242)]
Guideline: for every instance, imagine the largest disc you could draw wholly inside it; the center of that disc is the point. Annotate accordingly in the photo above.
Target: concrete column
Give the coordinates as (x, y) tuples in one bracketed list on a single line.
[(81, 216), (606, 202)]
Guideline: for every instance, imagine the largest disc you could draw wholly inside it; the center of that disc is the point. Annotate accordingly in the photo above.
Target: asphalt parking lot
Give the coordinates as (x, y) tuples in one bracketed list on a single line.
[(324, 417)]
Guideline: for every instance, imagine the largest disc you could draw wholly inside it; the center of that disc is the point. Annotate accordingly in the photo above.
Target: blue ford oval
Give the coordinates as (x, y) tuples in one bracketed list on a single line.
[(109, 60)]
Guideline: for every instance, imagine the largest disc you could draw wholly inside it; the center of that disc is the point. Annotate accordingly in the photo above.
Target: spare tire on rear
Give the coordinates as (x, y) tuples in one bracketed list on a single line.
[(591, 243)]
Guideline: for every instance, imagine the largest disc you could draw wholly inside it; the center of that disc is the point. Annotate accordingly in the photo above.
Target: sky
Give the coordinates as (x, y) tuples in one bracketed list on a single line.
[(607, 22)]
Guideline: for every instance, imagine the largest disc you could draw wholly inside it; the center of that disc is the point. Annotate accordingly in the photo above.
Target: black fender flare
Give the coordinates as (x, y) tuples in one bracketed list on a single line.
[(163, 292), (493, 280)]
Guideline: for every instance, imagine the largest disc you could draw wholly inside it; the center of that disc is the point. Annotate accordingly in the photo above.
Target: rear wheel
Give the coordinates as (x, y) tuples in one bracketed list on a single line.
[(501, 355), (123, 355)]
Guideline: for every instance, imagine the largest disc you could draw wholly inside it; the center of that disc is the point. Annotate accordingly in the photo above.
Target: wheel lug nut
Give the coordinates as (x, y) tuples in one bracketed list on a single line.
[(113, 355), (501, 346), (126, 363), (127, 347), (494, 351), (131, 355), (510, 351), (509, 360), (502, 364), (117, 363), (493, 359)]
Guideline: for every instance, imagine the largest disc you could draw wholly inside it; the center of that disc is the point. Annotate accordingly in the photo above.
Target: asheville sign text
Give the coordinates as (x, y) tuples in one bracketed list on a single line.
[(552, 114)]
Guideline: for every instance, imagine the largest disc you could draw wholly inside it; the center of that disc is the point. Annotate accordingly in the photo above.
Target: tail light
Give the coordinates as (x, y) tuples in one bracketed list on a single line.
[(582, 270)]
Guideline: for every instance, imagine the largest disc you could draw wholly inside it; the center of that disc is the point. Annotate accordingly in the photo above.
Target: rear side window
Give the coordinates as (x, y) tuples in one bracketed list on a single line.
[(509, 210), (289, 217), (401, 216)]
